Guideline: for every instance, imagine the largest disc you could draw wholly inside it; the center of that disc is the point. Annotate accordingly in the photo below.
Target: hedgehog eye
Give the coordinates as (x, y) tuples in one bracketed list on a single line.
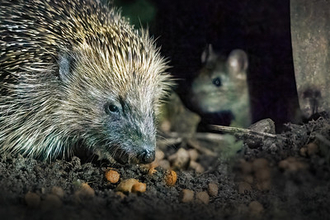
[(217, 82), (111, 108)]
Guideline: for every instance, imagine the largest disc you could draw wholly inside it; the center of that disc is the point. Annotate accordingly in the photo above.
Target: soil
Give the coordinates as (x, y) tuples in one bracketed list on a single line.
[(285, 177)]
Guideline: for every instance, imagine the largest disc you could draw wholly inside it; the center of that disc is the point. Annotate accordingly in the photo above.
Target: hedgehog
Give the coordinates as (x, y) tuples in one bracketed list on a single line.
[(76, 73)]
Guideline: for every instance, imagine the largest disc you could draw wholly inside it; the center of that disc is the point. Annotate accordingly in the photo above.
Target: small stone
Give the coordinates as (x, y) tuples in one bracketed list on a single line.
[(186, 195), (213, 189), (203, 197), (193, 154), (181, 159), (165, 164), (159, 155), (196, 166)]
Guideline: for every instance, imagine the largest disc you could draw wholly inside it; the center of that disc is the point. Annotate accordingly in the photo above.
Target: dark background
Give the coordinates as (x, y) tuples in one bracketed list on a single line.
[(261, 28)]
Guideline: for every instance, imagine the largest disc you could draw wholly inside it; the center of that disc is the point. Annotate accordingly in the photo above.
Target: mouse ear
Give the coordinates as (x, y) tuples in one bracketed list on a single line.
[(237, 61), (207, 53)]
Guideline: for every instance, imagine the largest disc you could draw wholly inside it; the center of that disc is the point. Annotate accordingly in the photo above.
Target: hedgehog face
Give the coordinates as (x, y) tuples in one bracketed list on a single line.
[(113, 109), (130, 133), (77, 72)]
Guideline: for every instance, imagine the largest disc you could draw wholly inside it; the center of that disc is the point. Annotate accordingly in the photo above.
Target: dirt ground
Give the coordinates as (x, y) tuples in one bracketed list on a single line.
[(218, 177)]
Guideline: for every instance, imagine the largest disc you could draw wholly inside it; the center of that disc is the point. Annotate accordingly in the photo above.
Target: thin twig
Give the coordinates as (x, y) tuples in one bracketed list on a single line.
[(242, 132)]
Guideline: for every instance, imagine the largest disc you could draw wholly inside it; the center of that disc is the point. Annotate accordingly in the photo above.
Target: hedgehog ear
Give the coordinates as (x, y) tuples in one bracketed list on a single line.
[(65, 64)]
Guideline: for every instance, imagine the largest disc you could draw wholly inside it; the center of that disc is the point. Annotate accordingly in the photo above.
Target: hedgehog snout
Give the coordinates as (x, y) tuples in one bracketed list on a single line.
[(146, 156)]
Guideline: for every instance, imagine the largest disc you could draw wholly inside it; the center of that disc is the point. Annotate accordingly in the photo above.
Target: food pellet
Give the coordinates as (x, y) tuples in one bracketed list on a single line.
[(171, 178), (126, 185), (112, 176), (139, 187)]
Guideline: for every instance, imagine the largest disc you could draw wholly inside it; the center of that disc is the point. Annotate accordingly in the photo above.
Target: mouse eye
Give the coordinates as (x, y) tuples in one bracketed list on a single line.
[(217, 82), (111, 108)]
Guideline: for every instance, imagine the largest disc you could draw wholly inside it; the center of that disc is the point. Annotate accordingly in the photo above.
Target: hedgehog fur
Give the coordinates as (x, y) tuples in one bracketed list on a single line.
[(76, 72)]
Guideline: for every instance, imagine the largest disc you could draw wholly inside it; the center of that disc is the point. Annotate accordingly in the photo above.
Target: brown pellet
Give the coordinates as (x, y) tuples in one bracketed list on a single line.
[(171, 178), (112, 176)]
